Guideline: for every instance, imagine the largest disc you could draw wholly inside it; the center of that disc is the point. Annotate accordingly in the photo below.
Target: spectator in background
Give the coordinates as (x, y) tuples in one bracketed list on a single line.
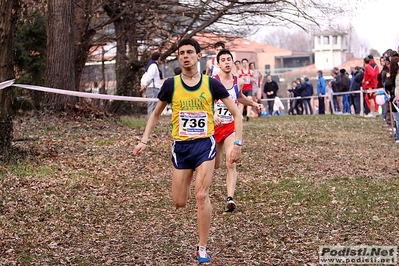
[(330, 100), (384, 68), (297, 94), (336, 87), (375, 68), (381, 78), (387, 53), (177, 70), (356, 84), (350, 98), (321, 91), (345, 86), (278, 107), (392, 54), (270, 89), (151, 81), (291, 95), (370, 82), (96, 90), (388, 88), (306, 93), (394, 93)]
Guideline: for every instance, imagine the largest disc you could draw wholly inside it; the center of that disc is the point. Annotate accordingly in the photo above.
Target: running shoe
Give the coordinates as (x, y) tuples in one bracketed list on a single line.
[(202, 255), (230, 204)]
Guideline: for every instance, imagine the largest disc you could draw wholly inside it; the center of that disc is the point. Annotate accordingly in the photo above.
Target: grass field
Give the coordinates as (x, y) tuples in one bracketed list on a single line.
[(75, 194)]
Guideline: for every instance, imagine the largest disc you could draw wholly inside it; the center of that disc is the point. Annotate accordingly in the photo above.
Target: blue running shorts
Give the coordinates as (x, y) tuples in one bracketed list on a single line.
[(189, 154)]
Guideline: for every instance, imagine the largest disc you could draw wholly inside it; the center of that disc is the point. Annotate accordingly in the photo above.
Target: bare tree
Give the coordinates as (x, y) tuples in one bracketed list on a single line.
[(8, 16), (141, 26), (298, 40)]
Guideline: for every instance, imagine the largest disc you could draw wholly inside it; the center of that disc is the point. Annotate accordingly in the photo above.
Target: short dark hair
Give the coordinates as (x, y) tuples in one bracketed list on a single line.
[(342, 70), (244, 59), (366, 60), (393, 70), (177, 70), (219, 43), (393, 53), (370, 56), (192, 42), (388, 52), (222, 52), (155, 56)]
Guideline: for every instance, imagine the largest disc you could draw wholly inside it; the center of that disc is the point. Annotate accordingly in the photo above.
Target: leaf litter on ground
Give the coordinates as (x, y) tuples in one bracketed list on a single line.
[(76, 195)]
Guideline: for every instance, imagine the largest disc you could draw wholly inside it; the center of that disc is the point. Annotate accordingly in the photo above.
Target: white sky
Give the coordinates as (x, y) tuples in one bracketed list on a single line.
[(378, 23), (375, 22)]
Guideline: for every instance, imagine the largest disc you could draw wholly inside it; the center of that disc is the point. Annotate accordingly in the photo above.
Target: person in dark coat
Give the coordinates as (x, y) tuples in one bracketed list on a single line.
[(270, 89), (306, 93), (355, 86)]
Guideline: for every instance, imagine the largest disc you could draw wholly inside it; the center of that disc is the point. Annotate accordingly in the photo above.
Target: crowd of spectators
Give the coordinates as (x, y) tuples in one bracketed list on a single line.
[(378, 84)]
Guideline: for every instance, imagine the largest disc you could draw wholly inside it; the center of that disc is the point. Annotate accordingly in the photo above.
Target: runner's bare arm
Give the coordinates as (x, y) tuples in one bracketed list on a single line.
[(208, 67), (151, 123), (247, 101)]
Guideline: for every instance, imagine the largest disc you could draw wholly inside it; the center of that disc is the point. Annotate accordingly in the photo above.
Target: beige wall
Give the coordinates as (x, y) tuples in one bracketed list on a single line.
[(269, 59)]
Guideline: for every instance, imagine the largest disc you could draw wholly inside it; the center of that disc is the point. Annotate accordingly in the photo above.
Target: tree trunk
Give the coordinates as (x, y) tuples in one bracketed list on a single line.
[(84, 33), (60, 71), (8, 16), (120, 59)]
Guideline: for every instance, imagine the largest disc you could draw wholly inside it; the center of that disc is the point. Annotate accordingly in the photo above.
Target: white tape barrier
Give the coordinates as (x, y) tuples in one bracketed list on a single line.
[(77, 93), (9, 83), (326, 95), (6, 84)]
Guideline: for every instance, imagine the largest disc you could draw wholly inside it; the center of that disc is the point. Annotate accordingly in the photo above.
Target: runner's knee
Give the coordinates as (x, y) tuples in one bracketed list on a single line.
[(180, 203), (201, 197)]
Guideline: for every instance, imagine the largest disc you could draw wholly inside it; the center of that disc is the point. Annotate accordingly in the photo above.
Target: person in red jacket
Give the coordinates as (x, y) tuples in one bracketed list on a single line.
[(370, 82)]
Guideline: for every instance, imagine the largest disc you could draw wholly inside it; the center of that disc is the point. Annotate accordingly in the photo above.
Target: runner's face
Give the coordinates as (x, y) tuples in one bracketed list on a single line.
[(225, 63), (244, 64), (188, 57), (238, 65)]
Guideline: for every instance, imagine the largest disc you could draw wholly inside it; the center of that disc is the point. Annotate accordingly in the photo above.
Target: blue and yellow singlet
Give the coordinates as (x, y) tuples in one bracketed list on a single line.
[(192, 115)]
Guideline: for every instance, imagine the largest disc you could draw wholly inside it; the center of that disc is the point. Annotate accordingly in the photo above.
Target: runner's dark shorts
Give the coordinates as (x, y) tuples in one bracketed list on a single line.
[(189, 154), (247, 93)]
